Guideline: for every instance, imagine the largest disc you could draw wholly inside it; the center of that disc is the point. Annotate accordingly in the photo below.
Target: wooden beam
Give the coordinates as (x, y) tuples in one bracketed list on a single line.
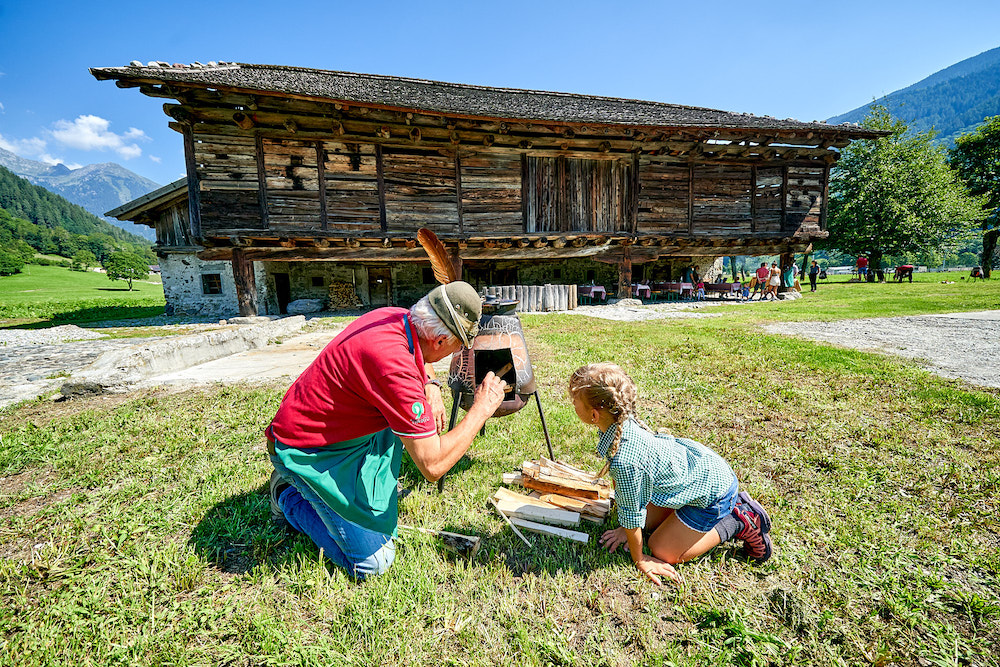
[(194, 188), (246, 286), (380, 177), (458, 193), (321, 175), (261, 179)]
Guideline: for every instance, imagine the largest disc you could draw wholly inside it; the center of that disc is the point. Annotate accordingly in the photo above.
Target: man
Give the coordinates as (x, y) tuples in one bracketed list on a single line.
[(862, 268), (336, 441), (763, 273)]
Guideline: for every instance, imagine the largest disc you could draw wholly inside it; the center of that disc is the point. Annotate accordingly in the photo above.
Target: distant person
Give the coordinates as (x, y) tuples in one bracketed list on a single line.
[(700, 291), (977, 272), (773, 283), (862, 268), (904, 271), (813, 275), (681, 493), (762, 274), (686, 277)]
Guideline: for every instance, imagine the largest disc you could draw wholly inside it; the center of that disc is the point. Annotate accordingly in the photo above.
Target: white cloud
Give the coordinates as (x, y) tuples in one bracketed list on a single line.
[(2, 110), (156, 159), (90, 133), (29, 148)]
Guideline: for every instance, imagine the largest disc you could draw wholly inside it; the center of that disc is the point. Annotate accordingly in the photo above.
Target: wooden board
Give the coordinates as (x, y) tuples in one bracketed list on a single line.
[(530, 512), (542, 529)]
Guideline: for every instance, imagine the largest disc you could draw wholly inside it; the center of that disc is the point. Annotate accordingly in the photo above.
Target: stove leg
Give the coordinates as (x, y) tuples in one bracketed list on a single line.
[(545, 429), (455, 396)]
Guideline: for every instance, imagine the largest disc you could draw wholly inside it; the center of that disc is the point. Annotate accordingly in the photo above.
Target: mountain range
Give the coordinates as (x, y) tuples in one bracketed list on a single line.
[(98, 188), (953, 101)]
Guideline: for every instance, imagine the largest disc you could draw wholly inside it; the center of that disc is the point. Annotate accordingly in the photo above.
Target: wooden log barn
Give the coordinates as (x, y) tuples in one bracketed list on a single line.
[(306, 178)]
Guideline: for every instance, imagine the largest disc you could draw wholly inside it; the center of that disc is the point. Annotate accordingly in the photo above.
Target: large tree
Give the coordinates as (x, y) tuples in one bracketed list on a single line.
[(896, 194), (976, 155), (126, 266)]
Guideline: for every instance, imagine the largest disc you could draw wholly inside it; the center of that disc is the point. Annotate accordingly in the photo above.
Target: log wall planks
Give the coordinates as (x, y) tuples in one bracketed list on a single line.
[(227, 180), (804, 198), (663, 197), (720, 200), (491, 194), (420, 190), (249, 180)]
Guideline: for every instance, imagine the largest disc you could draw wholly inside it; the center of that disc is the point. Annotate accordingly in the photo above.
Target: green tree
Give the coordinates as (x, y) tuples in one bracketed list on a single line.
[(976, 156), (896, 195), (126, 266), (10, 263), (83, 260)]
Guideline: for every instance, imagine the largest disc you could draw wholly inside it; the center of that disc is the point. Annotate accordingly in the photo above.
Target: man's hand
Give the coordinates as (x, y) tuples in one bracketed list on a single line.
[(652, 566), (613, 539), (433, 394), (489, 394)]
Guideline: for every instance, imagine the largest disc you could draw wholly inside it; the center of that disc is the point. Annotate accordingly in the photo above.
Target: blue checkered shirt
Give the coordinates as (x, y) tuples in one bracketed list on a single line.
[(662, 470)]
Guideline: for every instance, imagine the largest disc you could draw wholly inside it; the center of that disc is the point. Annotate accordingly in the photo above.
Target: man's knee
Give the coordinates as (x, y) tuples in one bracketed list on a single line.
[(377, 563)]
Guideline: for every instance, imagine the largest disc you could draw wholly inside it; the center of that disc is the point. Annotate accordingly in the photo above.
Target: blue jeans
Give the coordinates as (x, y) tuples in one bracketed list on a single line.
[(360, 551)]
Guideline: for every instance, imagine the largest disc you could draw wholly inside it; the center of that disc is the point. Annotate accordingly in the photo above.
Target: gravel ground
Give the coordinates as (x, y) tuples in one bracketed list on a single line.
[(61, 334), (955, 345)]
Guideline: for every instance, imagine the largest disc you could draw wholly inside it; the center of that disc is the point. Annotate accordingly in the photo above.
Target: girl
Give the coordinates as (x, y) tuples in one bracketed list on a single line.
[(682, 493)]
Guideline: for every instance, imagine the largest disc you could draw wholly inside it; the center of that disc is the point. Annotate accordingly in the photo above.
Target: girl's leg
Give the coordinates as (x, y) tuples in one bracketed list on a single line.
[(674, 542), (655, 515)]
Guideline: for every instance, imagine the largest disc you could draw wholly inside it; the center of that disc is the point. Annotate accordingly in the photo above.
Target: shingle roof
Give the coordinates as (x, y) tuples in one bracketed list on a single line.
[(453, 98)]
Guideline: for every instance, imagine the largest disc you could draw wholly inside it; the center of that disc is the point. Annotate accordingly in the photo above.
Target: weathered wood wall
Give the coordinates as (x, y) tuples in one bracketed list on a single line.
[(300, 188), (575, 195)]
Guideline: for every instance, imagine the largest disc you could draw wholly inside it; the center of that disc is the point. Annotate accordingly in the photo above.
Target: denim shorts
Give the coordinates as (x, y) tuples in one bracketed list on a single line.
[(703, 519)]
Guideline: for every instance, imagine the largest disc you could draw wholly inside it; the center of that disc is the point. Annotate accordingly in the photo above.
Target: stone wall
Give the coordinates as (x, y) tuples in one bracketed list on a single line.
[(184, 285)]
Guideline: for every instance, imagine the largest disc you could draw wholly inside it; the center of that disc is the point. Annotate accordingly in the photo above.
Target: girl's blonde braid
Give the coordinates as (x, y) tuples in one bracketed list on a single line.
[(606, 386)]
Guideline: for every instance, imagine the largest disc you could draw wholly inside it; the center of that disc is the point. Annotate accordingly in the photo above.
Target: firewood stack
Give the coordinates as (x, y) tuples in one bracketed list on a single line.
[(343, 296), (560, 494)]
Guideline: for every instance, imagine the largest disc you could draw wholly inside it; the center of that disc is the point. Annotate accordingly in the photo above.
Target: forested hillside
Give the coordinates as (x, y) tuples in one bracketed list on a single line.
[(953, 101), (52, 225)]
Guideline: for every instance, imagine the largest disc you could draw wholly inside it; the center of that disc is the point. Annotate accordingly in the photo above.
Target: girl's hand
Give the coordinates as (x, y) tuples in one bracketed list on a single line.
[(612, 539), (652, 566)]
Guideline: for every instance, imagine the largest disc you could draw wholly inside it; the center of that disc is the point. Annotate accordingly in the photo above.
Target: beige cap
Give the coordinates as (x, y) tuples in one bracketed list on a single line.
[(459, 307)]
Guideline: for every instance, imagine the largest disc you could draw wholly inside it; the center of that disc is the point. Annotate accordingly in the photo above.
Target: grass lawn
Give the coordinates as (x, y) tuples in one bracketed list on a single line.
[(135, 529), (41, 294)]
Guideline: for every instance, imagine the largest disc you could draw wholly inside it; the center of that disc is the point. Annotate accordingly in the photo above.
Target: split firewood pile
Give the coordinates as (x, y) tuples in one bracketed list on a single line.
[(343, 296), (558, 495)]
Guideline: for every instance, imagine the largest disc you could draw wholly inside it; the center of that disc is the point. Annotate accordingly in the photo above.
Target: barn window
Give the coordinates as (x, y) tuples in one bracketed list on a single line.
[(317, 281), (211, 283)]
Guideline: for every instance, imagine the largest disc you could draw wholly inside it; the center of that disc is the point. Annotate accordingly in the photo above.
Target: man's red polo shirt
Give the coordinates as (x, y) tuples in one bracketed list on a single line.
[(364, 381)]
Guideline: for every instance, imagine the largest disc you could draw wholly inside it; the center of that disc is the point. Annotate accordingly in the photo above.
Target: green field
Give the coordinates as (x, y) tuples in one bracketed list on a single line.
[(52, 293), (135, 529)]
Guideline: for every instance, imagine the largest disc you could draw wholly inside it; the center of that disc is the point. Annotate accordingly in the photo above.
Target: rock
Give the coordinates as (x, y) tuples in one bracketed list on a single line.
[(82, 388), (625, 302), (259, 319), (303, 306)]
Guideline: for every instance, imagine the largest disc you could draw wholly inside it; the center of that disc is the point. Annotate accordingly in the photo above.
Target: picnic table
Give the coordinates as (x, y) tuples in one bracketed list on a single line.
[(670, 290), (591, 292), (723, 289), (642, 291)]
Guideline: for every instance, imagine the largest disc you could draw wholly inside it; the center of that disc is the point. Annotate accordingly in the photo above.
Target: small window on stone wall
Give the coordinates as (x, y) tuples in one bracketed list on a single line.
[(317, 281), (211, 283), (427, 276), (557, 274)]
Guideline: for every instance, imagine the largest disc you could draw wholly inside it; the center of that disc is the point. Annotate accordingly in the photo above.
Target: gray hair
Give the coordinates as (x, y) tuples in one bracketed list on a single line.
[(427, 323)]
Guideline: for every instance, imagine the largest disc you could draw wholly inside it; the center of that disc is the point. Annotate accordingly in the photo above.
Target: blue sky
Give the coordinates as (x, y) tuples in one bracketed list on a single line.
[(801, 59)]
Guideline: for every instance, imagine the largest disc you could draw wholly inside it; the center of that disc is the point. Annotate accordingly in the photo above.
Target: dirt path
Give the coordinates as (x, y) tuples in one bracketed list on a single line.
[(954, 345)]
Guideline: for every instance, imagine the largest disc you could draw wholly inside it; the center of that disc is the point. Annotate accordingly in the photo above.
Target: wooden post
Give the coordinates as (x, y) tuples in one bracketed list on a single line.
[(261, 179), (380, 178), (784, 262), (194, 189), (321, 174), (625, 275), (246, 285)]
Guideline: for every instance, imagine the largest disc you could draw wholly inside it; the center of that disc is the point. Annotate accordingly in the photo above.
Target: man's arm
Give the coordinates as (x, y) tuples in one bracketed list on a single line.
[(435, 455), (433, 391)]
